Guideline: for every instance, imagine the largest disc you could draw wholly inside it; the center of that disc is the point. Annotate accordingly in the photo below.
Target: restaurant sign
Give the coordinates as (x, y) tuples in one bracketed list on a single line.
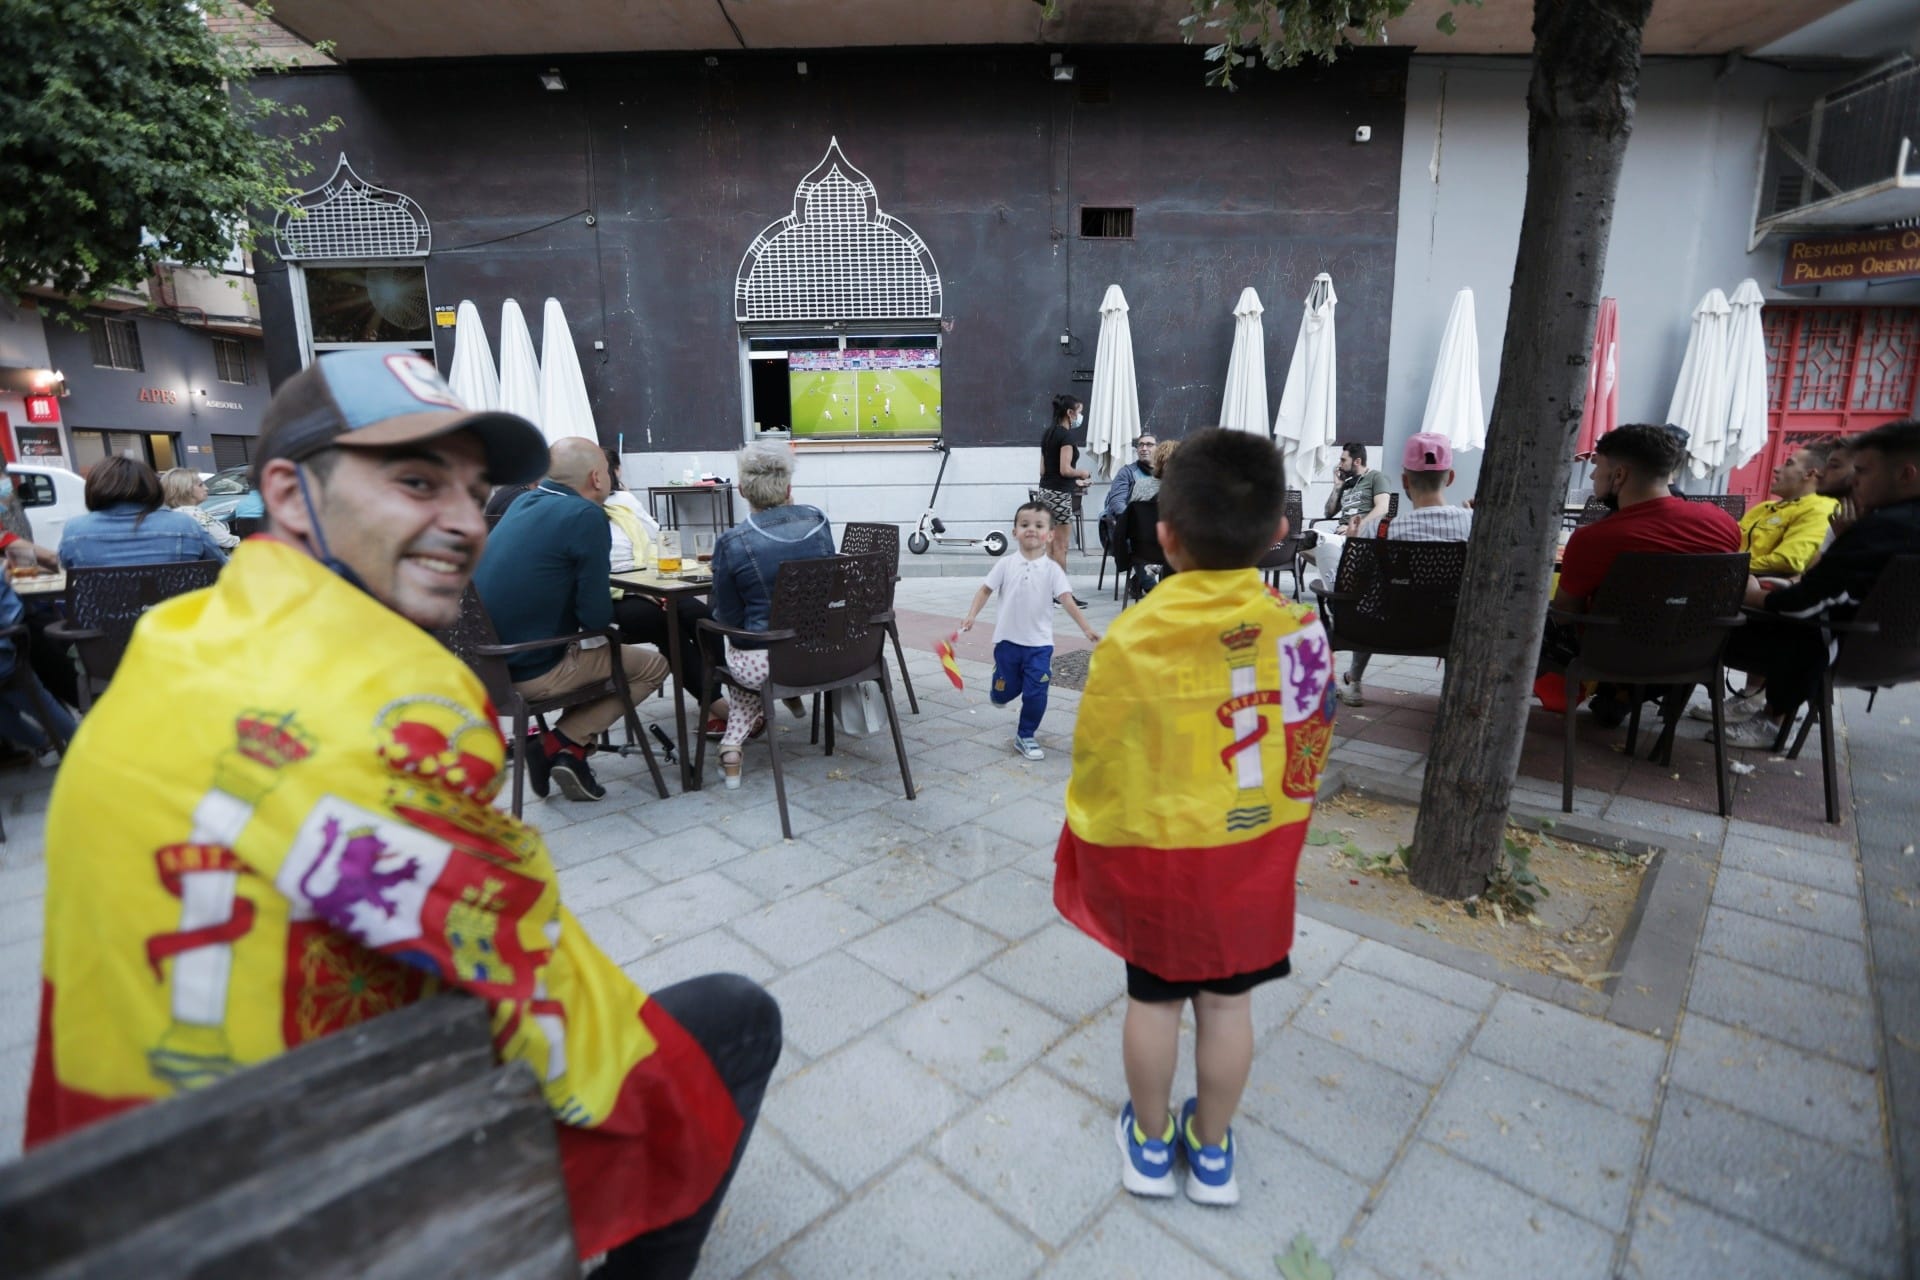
[(1876, 255)]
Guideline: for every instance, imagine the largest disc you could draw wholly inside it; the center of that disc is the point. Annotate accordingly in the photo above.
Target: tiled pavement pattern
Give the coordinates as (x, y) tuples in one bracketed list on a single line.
[(945, 1103)]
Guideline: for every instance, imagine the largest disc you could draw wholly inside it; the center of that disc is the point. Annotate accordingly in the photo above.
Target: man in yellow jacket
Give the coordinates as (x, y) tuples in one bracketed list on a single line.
[(1783, 536), (313, 842)]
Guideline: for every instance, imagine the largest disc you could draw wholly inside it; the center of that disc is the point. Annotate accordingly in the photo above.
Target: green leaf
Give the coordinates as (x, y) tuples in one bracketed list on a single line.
[(1446, 24), (1319, 838), (1302, 1261)]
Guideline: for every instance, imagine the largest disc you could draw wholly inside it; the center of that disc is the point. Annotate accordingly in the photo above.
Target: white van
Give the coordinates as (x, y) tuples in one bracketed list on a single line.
[(50, 496)]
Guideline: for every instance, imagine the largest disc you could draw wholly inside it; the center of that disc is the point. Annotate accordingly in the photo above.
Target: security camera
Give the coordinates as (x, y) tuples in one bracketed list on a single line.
[(1363, 134)]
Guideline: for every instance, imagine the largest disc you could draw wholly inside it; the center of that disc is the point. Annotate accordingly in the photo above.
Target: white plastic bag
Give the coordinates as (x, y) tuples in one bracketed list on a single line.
[(859, 711)]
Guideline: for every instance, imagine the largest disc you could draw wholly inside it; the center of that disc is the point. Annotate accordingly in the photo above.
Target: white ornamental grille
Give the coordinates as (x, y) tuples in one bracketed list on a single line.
[(349, 217), (837, 256)]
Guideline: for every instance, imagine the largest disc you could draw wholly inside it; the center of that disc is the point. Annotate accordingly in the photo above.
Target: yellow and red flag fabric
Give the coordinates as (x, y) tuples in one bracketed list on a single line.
[(301, 837), (1203, 730), (947, 661)]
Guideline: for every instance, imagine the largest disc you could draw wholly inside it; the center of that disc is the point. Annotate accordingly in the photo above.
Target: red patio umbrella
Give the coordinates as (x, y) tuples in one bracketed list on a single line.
[(1602, 411)]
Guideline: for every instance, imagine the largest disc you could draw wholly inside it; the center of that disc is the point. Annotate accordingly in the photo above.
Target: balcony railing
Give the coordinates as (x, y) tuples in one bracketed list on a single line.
[(1849, 161)]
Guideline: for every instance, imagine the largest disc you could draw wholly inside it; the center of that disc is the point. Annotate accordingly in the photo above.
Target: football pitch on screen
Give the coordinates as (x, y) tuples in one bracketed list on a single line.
[(882, 402)]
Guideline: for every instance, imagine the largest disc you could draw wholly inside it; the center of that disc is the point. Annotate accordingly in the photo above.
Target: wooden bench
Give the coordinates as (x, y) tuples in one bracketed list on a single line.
[(396, 1148)]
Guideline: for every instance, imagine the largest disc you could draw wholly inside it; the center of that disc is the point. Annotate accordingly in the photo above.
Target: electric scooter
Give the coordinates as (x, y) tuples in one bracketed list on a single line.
[(932, 530)]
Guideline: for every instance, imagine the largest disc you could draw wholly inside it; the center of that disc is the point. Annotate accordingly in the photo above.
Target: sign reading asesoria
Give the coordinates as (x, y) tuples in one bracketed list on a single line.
[(1880, 255)]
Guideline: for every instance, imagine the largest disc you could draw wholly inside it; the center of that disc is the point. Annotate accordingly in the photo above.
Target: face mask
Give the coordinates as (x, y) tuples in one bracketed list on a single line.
[(1079, 418)]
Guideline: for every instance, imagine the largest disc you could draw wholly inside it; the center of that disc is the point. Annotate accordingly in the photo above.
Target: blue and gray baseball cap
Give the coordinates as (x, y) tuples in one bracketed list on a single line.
[(378, 399)]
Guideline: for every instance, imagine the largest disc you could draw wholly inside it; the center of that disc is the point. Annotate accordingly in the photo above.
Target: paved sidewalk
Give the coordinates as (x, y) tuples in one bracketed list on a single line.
[(945, 1105)]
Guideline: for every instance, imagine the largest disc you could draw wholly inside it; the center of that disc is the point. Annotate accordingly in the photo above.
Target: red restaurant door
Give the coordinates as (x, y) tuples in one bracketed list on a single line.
[(1831, 371)]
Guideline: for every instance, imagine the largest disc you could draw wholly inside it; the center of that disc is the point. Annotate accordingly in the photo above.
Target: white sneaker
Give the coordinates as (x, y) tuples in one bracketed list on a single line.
[(1028, 748), (1348, 691), (1745, 707), (1756, 733)]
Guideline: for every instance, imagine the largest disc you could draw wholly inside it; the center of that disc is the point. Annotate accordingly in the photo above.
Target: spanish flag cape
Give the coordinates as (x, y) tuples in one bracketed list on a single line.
[(1205, 723), (277, 824)]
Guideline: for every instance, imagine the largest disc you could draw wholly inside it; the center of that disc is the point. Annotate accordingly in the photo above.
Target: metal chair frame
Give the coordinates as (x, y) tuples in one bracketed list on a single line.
[(858, 539), (103, 605)]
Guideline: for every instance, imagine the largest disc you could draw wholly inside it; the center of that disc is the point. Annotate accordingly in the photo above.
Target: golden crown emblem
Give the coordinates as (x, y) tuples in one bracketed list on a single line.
[(1242, 637), (269, 741)]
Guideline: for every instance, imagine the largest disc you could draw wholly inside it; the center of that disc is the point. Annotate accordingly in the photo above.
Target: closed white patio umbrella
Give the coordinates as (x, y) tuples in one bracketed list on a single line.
[(1699, 405), (1305, 426), (1245, 405), (473, 377), (1747, 390), (1454, 408), (519, 370), (564, 407), (1113, 406)]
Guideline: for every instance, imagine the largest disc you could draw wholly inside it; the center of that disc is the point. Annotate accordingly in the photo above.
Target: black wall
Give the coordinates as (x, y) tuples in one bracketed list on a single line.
[(981, 152)]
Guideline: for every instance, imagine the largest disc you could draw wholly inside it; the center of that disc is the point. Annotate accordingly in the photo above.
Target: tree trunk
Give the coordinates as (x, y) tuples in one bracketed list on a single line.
[(1586, 70)]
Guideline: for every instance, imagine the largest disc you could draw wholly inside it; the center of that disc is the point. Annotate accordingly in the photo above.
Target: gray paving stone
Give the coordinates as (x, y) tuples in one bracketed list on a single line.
[(1575, 1153), (1785, 949), (966, 754), (784, 869), (1790, 839), (601, 883), (969, 852), (1796, 904), (614, 934), (1284, 1190), (1828, 1201), (1033, 820), (686, 853), (915, 1222), (1123, 1245), (926, 950), (858, 838), (758, 826), (1690, 824), (1348, 1110), (715, 951), (16, 1070), (857, 1111), (687, 907), (1011, 903), (1422, 974), (993, 1149), (592, 833), (893, 884), (826, 1002), (1815, 1096), (1609, 1064), (1785, 862), (1675, 1239), (1063, 969), (1808, 1017), (1441, 1216), (685, 810), (938, 807), (1407, 1030), (840, 798), (773, 1197), (795, 930), (1318, 947), (1089, 1059), (975, 1034)]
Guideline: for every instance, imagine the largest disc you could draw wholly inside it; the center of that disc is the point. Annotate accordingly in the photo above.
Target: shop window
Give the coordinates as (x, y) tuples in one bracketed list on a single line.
[(232, 451), (358, 274), (116, 343), (158, 450), (1106, 223), (230, 361)]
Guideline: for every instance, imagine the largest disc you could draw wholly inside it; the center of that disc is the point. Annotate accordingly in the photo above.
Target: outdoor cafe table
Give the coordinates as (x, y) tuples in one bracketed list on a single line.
[(41, 584), (668, 591)]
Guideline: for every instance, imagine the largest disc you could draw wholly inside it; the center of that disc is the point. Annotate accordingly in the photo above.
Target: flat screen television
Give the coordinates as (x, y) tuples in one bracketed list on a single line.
[(864, 392)]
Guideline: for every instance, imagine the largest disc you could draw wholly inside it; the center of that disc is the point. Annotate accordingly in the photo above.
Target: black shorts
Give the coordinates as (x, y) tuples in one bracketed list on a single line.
[(1150, 988)]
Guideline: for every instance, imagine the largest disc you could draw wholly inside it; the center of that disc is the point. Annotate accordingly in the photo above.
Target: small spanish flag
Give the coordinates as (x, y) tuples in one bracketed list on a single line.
[(952, 668)]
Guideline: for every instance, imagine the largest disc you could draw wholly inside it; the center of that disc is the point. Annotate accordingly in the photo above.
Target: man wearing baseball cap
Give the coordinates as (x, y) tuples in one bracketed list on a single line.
[(312, 841), (1426, 469)]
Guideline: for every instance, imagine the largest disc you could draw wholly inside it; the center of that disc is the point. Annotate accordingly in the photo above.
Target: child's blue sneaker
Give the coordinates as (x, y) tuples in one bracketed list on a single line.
[(1028, 748), (1146, 1164), (1209, 1169)]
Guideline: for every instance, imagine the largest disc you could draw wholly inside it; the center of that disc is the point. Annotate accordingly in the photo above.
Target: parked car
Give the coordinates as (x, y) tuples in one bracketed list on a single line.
[(50, 496), (225, 489)]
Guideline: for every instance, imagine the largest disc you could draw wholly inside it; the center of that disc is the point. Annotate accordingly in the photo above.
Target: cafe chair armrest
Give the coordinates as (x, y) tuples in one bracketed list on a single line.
[(552, 642), (741, 633), (71, 634)]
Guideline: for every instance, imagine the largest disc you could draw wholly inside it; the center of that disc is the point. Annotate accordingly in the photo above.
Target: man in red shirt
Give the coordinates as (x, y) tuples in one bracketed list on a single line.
[(1630, 472)]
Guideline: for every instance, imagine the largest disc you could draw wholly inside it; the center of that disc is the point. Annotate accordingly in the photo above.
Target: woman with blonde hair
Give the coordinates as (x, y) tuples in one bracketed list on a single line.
[(185, 491)]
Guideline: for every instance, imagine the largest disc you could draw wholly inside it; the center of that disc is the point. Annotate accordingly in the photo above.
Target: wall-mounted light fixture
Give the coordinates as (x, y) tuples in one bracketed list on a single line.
[(550, 81), (1063, 71)]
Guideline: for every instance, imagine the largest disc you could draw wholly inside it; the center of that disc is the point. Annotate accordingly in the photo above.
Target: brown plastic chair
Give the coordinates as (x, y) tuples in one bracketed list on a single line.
[(1594, 510), (473, 640), (1394, 597), (104, 603), (1139, 545), (1734, 504), (245, 526), (1879, 648), (1285, 553), (1659, 619), (882, 539), (1301, 549), (825, 632)]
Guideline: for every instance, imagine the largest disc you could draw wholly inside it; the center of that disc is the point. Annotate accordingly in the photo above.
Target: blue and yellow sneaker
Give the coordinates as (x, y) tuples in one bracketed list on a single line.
[(1209, 1169), (1146, 1164)]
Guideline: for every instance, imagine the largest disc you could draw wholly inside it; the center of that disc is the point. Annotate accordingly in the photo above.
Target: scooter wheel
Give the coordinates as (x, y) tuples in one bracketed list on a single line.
[(996, 543), (917, 543)]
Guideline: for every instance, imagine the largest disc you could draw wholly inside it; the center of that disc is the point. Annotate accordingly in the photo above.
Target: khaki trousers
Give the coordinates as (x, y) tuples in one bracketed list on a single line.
[(645, 670)]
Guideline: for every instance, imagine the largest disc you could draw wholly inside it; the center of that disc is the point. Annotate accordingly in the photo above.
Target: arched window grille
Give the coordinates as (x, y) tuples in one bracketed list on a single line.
[(348, 218)]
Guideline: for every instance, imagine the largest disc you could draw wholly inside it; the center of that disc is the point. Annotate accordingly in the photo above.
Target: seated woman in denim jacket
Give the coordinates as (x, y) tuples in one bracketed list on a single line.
[(21, 717), (745, 560), (125, 523)]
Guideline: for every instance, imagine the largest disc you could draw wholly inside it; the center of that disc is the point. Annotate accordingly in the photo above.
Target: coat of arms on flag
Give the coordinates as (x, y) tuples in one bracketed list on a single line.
[(947, 663)]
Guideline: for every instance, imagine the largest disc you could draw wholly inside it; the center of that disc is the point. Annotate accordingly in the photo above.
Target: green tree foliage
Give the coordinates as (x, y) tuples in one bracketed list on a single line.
[(1283, 33), (128, 138)]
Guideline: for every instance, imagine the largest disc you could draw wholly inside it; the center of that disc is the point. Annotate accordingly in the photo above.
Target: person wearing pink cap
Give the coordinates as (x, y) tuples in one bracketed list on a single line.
[(1426, 469)]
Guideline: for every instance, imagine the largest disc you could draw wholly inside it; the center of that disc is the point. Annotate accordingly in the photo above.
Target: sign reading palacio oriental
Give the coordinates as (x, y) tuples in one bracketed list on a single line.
[(1878, 255)]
